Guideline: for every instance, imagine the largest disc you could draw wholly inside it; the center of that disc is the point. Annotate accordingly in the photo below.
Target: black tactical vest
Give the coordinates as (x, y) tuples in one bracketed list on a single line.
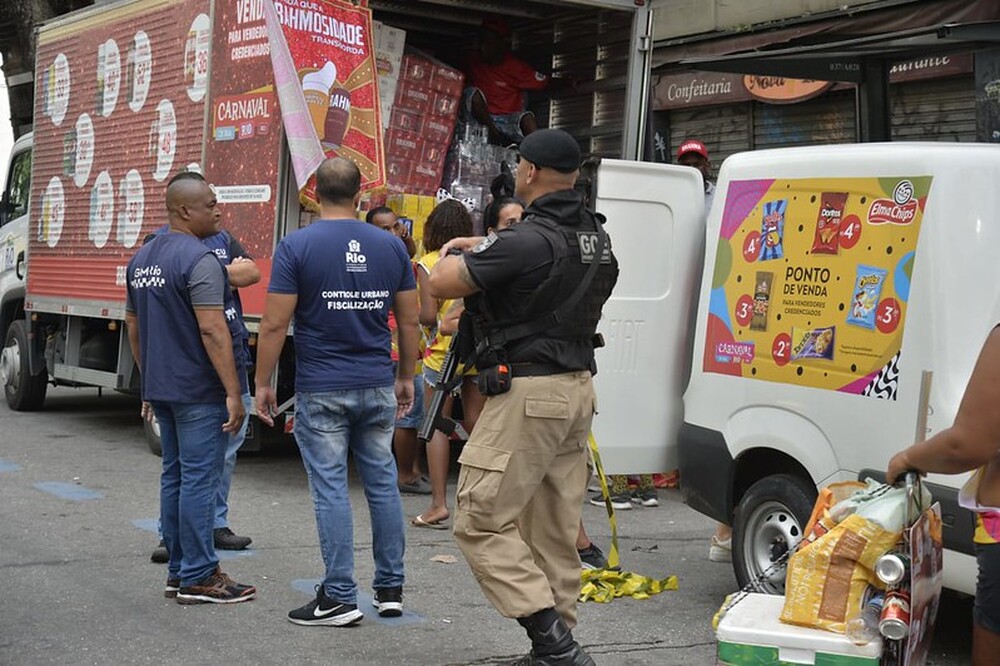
[(573, 247)]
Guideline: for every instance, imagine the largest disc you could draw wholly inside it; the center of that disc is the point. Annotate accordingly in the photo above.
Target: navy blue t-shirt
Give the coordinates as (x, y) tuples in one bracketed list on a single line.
[(346, 274)]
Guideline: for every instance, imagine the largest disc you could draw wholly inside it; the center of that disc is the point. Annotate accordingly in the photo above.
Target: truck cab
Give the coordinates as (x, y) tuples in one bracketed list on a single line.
[(24, 385)]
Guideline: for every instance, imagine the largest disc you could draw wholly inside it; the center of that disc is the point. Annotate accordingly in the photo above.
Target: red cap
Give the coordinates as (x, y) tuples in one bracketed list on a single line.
[(692, 146), (498, 25)]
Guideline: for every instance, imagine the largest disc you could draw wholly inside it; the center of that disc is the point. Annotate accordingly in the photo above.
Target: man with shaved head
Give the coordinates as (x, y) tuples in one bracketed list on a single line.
[(187, 341), (339, 277)]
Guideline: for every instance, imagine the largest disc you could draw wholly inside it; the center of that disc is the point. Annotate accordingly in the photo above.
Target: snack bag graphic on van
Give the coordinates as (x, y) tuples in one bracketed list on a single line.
[(867, 287), (831, 313), (772, 229)]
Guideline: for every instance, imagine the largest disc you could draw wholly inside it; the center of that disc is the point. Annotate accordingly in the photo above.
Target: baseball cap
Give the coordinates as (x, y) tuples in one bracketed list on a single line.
[(551, 148), (692, 146)]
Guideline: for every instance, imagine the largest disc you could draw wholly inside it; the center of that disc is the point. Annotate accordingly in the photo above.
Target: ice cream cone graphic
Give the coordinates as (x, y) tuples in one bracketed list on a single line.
[(316, 89)]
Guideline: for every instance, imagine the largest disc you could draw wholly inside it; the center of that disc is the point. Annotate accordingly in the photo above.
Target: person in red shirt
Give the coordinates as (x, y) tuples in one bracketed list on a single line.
[(498, 81)]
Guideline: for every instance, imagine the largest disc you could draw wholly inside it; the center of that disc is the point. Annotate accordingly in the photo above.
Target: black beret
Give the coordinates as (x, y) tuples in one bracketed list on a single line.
[(551, 148)]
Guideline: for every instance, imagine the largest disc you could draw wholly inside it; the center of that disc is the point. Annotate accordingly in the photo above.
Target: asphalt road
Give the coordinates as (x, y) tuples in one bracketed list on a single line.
[(78, 506)]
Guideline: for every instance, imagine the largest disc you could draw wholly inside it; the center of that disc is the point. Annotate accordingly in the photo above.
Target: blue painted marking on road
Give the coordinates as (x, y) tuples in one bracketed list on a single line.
[(68, 491), (148, 524), (307, 586), (9, 466)]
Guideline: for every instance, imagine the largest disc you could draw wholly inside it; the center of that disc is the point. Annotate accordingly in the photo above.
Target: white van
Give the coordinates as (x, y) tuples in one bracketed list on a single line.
[(835, 281)]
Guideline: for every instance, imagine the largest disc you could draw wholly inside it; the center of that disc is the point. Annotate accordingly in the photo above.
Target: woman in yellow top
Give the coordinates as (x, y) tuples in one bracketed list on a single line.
[(448, 220)]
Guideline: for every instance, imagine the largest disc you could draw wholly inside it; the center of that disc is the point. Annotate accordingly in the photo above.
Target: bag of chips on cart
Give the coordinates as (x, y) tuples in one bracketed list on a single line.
[(826, 579)]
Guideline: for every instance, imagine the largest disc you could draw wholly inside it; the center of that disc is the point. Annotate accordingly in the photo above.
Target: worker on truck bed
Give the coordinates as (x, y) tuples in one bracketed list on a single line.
[(497, 82)]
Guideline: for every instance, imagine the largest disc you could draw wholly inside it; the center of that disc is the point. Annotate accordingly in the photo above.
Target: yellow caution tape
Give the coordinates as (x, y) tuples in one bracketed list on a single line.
[(606, 584), (728, 603)]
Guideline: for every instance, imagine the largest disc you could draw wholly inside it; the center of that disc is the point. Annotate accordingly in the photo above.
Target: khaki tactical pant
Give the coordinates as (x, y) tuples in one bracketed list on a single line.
[(520, 490)]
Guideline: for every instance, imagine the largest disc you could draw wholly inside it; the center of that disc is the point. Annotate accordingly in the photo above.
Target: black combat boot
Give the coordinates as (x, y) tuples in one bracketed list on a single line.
[(552, 642)]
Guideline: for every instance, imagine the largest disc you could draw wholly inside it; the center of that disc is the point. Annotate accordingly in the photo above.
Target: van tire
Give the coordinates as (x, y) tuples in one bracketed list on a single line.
[(769, 520), (152, 431), (24, 392)]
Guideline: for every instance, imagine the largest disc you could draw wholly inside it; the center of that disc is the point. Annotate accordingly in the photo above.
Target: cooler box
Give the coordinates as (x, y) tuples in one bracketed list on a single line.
[(750, 633)]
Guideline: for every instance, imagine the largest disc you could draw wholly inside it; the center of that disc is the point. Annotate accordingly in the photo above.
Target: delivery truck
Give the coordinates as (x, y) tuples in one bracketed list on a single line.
[(128, 93), (834, 297)]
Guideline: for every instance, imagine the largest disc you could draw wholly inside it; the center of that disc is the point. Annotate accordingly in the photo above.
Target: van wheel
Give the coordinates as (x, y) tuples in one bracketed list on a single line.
[(24, 392), (152, 429), (768, 522)]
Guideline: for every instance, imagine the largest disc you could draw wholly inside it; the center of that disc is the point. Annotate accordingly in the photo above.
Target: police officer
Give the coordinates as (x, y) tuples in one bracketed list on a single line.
[(524, 468)]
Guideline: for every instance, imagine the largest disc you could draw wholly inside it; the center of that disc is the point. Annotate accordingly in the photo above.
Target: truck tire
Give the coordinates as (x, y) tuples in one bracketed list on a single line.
[(769, 520), (24, 392), (152, 430)]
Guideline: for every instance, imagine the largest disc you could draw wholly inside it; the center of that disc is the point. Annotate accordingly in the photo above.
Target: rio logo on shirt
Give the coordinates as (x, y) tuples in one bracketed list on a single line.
[(355, 261)]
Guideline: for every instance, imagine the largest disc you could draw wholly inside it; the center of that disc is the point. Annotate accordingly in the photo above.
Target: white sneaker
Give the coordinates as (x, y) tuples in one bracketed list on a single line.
[(721, 551)]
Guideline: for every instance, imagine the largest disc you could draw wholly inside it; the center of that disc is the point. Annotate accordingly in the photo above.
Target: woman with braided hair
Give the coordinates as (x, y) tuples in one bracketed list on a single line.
[(448, 220)]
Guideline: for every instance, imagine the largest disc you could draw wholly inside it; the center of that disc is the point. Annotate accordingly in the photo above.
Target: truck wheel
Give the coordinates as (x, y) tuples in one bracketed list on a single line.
[(768, 522), (152, 430), (25, 392)]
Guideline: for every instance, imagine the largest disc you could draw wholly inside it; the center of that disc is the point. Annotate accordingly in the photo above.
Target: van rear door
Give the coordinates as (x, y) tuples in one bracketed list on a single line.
[(656, 222)]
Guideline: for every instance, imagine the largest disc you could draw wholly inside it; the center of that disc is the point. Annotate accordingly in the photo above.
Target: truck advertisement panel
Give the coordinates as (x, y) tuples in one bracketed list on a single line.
[(119, 108), (324, 66), (812, 279), (243, 141)]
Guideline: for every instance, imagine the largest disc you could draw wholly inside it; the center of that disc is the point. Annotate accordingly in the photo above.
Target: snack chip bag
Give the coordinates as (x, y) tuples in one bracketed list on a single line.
[(831, 210), (761, 300), (864, 299), (813, 343), (772, 229)]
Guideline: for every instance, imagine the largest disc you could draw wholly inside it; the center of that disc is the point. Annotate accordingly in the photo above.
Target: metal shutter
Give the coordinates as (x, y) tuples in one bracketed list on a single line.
[(723, 129), (593, 48), (936, 110), (829, 118)]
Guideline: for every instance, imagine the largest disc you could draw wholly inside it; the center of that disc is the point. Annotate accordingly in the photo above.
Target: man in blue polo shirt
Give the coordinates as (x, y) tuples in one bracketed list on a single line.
[(187, 340), (339, 277)]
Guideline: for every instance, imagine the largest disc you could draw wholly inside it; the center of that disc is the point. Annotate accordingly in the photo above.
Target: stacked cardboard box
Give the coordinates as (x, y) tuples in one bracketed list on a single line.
[(421, 124), (389, 43)]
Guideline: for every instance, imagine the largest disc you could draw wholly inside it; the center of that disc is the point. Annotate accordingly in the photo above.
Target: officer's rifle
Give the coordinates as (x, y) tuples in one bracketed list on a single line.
[(446, 383)]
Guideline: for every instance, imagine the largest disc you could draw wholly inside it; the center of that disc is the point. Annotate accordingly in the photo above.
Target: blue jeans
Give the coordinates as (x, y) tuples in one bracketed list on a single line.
[(327, 426), (226, 480), (194, 446)]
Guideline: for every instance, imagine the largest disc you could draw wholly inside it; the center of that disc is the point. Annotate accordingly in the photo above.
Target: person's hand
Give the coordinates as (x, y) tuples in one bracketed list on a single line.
[(237, 412), (147, 411), (241, 260), (266, 401), (899, 465), (404, 397), (464, 244)]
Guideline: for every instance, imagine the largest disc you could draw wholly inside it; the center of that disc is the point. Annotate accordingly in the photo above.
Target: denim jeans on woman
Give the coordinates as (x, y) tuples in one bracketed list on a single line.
[(327, 426), (194, 446)]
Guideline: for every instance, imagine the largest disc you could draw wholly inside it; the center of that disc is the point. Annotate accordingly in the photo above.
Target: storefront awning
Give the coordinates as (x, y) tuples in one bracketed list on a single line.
[(865, 61), (850, 60)]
